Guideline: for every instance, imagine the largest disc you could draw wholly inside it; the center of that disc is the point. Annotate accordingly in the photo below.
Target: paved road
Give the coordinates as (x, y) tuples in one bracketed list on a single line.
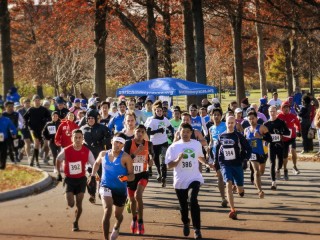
[(291, 212)]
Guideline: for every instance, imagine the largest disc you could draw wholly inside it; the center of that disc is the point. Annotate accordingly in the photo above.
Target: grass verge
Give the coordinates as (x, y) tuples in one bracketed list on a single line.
[(15, 176)]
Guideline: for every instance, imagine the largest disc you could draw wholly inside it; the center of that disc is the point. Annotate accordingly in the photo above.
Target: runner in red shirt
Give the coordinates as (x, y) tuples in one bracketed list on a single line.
[(75, 158), (294, 126)]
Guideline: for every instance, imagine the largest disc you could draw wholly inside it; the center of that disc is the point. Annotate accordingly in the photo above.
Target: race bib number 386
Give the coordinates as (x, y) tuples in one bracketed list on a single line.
[(75, 167)]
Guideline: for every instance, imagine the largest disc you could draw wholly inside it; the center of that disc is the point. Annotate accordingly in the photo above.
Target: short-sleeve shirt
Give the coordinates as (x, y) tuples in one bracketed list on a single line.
[(187, 170)]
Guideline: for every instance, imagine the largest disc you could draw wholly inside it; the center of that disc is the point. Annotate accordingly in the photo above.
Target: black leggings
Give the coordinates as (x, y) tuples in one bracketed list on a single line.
[(275, 150), (159, 158), (182, 195), (54, 150)]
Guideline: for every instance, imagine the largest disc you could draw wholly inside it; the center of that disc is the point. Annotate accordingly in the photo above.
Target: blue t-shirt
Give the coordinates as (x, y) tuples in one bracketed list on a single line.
[(215, 131), (196, 123), (110, 173), (117, 122)]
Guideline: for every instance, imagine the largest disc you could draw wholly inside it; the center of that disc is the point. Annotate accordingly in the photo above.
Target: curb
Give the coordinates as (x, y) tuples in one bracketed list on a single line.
[(27, 190)]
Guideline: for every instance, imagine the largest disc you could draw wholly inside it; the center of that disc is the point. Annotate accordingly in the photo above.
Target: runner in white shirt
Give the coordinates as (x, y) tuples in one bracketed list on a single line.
[(275, 101), (184, 156)]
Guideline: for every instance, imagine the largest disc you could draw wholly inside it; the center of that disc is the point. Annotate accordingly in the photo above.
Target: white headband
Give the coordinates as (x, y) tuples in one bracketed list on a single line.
[(119, 139)]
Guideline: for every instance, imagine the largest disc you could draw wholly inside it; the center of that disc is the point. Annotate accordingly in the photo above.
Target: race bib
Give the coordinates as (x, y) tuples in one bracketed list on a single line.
[(229, 154), (105, 192), (1, 137), (288, 136), (187, 165), (276, 137), (52, 129), (16, 142), (253, 157), (75, 168), (137, 167)]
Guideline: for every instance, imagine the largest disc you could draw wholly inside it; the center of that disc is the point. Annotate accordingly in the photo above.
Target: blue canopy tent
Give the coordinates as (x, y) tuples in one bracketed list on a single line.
[(166, 87)]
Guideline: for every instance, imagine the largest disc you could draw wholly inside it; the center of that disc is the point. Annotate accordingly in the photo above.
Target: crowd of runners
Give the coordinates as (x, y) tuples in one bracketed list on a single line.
[(109, 148)]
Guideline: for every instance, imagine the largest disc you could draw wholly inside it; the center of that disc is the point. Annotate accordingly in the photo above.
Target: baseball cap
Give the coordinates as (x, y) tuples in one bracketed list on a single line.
[(17, 104), (238, 110), (77, 100), (286, 103), (177, 108), (215, 100), (35, 97)]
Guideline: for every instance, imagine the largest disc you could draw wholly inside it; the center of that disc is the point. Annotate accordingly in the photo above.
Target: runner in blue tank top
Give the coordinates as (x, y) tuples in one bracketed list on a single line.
[(255, 134), (117, 169), (197, 122), (215, 131)]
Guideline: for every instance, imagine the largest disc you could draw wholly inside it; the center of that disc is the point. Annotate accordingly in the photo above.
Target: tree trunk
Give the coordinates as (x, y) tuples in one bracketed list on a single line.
[(261, 54), (200, 60), (287, 54), (236, 25), (294, 60), (40, 91), (152, 56), (189, 52), (6, 53), (167, 41), (100, 43)]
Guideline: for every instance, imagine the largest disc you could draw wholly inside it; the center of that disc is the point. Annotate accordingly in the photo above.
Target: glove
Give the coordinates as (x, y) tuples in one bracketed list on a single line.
[(161, 130), (59, 178), (123, 178), (245, 165), (298, 134)]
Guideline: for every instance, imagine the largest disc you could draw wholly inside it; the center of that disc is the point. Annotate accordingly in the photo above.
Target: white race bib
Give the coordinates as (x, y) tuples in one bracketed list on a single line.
[(276, 137), (1, 137), (75, 168), (229, 154), (187, 165), (52, 129), (288, 136), (105, 192), (137, 167), (253, 157), (16, 142)]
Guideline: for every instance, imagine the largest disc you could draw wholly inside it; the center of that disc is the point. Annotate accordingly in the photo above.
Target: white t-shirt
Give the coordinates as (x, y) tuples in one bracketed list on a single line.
[(187, 171), (276, 103), (155, 124)]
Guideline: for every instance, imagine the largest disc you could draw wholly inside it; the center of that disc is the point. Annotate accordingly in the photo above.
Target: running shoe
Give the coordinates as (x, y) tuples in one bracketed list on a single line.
[(261, 194), (241, 194), (159, 178), (233, 214), (286, 176), (278, 175), (224, 203), (115, 234), (140, 229), (92, 199), (295, 170), (133, 226), (186, 229), (197, 234), (75, 227), (164, 182), (38, 165), (273, 186), (127, 205), (207, 169)]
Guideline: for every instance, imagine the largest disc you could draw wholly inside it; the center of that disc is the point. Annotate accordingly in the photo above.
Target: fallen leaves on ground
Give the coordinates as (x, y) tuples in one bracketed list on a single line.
[(15, 176)]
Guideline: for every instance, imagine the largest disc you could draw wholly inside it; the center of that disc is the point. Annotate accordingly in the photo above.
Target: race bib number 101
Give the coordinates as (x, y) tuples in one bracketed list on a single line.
[(137, 167)]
